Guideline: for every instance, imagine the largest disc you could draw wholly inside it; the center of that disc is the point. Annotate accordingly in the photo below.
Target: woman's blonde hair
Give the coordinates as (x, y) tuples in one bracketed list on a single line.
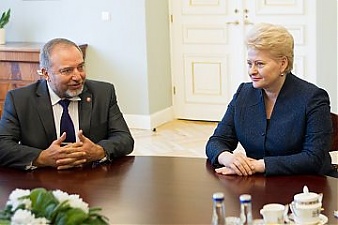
[(275, 39)]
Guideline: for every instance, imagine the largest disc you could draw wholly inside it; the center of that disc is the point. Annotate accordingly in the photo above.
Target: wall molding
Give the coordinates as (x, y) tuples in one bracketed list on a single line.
[(149, 122)]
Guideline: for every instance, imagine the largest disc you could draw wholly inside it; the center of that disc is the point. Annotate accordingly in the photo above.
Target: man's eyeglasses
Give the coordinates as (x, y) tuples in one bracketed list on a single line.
[(68, 71)]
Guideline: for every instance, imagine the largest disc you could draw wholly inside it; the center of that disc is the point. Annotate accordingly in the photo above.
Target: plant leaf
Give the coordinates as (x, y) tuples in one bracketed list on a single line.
[(43, 202), (72, 216), (5, 18)]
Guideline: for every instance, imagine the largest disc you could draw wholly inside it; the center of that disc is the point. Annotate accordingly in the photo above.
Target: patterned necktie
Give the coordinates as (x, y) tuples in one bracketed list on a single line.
[(66, 124)]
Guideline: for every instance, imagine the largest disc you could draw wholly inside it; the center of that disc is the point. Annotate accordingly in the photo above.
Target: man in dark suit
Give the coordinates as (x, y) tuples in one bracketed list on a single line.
[(30, 133)]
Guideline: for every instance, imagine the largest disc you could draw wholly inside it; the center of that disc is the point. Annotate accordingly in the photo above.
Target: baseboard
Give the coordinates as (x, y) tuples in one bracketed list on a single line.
[(149, 122)]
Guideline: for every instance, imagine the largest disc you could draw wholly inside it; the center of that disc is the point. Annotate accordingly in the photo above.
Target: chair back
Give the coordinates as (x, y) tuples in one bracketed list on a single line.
[(334, 144)]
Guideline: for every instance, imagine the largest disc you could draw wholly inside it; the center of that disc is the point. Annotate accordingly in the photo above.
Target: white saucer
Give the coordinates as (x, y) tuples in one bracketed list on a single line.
[(322, 220)]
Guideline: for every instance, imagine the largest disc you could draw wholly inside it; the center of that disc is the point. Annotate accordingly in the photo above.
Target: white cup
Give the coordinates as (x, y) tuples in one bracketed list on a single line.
[(273, 213), (306, 214)]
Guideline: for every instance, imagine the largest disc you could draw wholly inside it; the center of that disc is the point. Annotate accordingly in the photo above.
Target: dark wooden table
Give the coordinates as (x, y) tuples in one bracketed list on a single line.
[(166, 190)]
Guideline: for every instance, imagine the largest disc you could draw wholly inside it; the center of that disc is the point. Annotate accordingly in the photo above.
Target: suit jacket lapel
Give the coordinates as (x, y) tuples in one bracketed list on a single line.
[(85, 110), (256, 111), (285, 96), (44, 110)]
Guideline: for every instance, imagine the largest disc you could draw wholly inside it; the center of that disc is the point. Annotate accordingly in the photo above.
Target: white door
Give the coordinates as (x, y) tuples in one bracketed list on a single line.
[(208, 52), (205, 51)]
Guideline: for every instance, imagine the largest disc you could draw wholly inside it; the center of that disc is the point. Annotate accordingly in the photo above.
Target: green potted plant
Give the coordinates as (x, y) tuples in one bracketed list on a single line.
[(4, 19)]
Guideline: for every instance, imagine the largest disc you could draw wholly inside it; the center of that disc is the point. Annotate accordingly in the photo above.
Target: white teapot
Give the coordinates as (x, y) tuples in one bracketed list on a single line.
[(306, 207)]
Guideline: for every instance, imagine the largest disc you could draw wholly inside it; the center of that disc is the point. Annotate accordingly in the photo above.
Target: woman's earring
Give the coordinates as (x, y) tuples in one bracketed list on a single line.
[(282, 74)]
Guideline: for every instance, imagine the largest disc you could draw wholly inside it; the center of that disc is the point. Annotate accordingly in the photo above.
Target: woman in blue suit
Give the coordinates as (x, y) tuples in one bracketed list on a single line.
[(282, 121)]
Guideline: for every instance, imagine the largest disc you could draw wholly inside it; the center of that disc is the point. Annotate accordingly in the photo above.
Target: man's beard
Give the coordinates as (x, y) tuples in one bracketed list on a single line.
[(73, 93)]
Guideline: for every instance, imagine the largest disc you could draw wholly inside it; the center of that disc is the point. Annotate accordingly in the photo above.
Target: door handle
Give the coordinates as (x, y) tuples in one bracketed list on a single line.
[(236, 22), (248, 22)]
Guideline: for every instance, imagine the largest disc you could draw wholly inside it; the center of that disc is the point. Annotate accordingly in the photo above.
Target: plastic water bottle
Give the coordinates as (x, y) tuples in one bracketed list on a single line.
[(246, 209), (218, 215)]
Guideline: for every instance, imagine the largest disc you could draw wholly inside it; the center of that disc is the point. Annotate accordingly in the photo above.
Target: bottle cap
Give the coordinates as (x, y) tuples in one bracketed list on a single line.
[(245, 198), (218, 196)]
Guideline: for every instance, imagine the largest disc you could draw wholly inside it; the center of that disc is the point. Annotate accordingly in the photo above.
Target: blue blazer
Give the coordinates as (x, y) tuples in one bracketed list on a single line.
[(27, 123), (295, 140)]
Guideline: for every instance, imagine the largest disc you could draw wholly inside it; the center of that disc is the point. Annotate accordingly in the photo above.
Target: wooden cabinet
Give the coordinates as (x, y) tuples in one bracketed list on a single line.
[(19, 65)]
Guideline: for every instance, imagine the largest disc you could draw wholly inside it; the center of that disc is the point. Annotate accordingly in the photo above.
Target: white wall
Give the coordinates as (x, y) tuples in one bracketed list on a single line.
[(326, 55)]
